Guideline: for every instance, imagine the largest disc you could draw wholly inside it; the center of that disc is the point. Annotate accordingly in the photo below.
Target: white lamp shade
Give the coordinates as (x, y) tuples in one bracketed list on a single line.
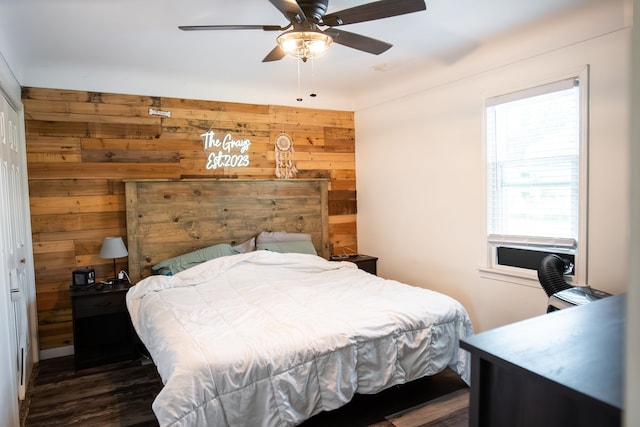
[(113, 247)]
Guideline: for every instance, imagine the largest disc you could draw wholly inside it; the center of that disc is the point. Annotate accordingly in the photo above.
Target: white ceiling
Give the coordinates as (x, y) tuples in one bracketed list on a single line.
[(134, 46)]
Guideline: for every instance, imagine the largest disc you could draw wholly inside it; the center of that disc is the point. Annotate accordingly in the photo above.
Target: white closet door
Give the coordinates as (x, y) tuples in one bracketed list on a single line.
[(17, 293)]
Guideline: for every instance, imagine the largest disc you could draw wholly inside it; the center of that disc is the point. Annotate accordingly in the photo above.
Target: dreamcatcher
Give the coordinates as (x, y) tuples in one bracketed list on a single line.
[(285, 166)]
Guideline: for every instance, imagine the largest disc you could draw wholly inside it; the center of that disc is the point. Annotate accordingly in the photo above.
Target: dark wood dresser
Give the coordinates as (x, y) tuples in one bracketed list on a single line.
[(560, 369)]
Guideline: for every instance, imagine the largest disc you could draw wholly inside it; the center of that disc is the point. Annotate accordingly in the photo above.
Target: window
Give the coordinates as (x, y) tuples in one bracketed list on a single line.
[(536, 177)]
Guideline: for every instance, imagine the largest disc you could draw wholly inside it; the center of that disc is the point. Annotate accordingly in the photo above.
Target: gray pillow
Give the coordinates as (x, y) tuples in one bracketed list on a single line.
[(244, 247), (281, 236)]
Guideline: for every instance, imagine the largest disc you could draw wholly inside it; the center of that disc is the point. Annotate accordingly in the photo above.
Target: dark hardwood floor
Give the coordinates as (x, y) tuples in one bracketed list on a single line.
[(118, 394), (121, 394)]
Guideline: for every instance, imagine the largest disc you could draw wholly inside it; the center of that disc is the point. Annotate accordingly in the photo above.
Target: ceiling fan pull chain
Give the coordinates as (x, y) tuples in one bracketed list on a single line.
[(313, 79), (299, 98)]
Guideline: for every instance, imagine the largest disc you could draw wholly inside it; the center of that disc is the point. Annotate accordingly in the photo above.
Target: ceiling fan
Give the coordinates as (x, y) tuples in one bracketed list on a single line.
[(303, 37)]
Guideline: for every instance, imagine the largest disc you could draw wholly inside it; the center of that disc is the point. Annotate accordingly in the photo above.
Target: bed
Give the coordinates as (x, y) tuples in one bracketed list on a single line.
[(271, 335)]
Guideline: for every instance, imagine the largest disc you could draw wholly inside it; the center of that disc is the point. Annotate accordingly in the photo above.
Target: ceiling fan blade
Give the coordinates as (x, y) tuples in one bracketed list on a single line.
[(231, 27), (275, 55), (357, 41), (372, 11), (290, 9)]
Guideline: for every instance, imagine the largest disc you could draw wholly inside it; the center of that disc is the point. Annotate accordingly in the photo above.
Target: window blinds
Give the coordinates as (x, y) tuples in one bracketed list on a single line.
[(533, 140)]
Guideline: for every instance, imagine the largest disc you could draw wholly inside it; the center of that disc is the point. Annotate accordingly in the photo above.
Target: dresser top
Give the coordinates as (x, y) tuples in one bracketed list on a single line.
[(580, 347)]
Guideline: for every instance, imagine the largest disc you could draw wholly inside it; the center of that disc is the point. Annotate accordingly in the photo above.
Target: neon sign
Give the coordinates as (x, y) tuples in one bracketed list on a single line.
[(226, 152)]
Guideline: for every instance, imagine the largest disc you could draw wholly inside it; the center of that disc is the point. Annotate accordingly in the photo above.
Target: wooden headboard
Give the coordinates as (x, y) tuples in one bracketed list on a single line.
[(167, 218)]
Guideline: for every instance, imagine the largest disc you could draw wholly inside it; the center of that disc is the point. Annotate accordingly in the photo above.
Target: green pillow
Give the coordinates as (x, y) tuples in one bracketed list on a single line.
[(182, 262), (300, 247)]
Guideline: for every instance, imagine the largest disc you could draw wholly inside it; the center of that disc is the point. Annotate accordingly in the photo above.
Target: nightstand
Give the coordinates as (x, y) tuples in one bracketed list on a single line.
[(364, 262), (102, 330)]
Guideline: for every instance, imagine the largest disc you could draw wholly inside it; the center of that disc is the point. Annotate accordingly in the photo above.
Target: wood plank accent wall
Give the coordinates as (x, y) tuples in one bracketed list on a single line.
[(82, 145)]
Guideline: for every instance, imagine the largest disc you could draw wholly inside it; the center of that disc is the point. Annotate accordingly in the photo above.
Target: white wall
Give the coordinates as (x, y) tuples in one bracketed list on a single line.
[(420, 169)]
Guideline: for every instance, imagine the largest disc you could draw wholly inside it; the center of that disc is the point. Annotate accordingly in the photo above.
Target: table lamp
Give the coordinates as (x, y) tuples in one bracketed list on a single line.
[(113, 247)]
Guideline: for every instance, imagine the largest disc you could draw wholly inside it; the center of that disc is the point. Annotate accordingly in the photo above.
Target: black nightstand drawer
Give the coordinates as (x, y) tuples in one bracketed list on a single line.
[(97, 305), (364, 262)]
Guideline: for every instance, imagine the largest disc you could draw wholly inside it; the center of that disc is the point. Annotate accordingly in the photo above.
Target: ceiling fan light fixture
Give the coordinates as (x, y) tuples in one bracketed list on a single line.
[(304, 44)]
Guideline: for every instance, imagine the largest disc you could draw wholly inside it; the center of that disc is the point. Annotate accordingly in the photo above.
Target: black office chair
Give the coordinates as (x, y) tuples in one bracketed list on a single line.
[(561, 294)]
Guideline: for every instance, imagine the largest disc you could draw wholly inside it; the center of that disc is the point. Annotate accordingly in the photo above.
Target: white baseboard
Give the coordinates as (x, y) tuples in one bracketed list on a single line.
[(52, 353)]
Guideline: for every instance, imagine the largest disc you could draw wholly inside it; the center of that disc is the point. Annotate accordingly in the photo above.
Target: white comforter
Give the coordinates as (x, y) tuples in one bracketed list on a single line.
[(270, 339)]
